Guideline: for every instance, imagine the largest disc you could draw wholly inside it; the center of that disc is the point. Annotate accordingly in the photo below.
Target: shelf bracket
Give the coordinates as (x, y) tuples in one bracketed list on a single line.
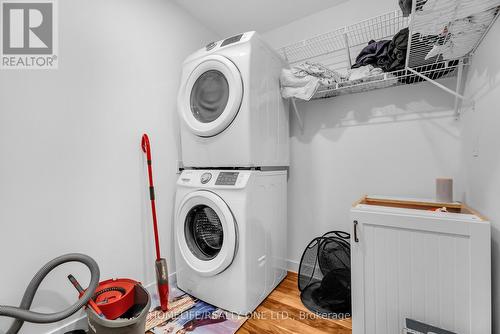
[(459, 88), (437, 84), (297, 114)]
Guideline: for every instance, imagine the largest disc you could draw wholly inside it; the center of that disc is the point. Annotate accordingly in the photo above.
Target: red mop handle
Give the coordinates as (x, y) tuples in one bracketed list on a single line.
[(160, 264), (91, 302), (146, 147)]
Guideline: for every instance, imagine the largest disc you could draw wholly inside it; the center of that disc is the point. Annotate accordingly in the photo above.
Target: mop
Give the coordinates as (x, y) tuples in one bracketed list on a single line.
[(160, 263)]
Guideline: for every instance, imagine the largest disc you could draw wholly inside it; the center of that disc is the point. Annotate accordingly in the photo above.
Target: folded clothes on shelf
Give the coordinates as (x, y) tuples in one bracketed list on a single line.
[(362, 73), (299, 87), (367, 74), (302, 81), (326, 75)]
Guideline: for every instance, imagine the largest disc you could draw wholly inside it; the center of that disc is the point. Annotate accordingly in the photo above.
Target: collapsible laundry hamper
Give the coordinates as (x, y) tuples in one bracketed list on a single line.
[(325, 275)]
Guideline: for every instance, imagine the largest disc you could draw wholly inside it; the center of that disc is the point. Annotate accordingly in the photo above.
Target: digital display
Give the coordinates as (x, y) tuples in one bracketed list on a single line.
[(227, 179), (231, 40)]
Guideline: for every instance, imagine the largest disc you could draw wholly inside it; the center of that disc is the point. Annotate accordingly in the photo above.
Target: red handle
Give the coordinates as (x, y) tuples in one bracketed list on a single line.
[(80, 290), (146, 148)]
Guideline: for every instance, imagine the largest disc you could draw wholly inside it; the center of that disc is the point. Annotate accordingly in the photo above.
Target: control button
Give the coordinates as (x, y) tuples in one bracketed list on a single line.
[(205, 177), (210, 46)]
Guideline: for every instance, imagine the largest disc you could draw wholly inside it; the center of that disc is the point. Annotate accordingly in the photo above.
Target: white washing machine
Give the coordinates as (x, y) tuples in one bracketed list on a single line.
[(230, 106), (230, 229)]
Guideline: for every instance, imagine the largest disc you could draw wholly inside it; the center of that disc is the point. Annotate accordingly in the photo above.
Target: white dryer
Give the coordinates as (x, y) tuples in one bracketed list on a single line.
[(230, 106), (230, 236)]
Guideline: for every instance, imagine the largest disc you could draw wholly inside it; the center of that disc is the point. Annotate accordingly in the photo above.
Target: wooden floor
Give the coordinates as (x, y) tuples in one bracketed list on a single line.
[(283, 312)]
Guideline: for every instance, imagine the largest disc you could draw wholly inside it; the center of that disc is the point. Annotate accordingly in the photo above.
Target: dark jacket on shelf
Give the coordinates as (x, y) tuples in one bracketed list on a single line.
[(372, 54), (388, 55), (397, 51)]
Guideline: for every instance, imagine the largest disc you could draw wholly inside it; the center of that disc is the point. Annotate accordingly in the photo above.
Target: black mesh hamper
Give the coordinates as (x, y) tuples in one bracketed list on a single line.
[(325, 275)]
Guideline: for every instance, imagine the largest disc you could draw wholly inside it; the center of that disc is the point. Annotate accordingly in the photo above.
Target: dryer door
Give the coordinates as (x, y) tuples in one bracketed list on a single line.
[(211, 96), (206, 233)]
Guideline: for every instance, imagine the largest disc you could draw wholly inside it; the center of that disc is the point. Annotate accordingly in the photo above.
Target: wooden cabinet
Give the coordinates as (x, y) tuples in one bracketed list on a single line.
[(409, 261)]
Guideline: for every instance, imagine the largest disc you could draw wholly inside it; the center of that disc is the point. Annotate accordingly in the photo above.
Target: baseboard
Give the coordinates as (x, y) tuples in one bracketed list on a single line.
[(292, 266), (153, 291), (81, 322)]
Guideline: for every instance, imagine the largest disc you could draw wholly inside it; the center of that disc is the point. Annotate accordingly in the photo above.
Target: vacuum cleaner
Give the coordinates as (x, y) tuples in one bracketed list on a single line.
[(22, 313), (115, 306)]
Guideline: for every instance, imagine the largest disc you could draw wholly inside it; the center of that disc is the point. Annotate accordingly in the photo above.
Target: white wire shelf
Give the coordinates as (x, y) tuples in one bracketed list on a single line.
[(443, 35), (440, 70), (338, 49)]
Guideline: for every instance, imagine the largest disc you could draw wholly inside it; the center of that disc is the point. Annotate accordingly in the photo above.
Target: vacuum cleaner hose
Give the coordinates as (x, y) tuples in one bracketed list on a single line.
[(22, 313)]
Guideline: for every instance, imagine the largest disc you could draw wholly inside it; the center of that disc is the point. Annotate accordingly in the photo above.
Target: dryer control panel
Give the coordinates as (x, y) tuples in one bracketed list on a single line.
[(215, 45), (231, 40)]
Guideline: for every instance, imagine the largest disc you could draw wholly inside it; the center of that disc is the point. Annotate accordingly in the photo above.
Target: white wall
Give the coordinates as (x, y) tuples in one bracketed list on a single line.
[(481, 149), (393, 141), (72, 175)]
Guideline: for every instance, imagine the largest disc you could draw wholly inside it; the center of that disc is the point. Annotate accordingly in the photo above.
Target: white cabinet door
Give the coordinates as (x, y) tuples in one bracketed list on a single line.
[(417, 266)]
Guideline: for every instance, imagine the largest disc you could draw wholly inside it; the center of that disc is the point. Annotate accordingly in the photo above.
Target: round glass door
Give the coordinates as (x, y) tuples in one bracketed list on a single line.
[(211, 96), (206, 232)]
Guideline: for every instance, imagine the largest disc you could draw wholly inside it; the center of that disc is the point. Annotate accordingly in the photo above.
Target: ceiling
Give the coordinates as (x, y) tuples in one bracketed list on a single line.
[(229, 17)]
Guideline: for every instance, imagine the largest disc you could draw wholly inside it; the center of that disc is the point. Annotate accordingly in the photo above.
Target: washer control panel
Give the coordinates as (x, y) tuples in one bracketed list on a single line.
[(215, 179), (227, 179)]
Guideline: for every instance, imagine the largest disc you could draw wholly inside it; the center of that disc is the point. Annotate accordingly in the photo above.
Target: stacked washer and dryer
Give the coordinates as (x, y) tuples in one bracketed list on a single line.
[(231, 200)]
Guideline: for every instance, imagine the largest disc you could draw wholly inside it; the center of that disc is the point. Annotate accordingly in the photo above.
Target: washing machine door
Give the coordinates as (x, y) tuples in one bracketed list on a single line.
[(206, 233), (211, 96)]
